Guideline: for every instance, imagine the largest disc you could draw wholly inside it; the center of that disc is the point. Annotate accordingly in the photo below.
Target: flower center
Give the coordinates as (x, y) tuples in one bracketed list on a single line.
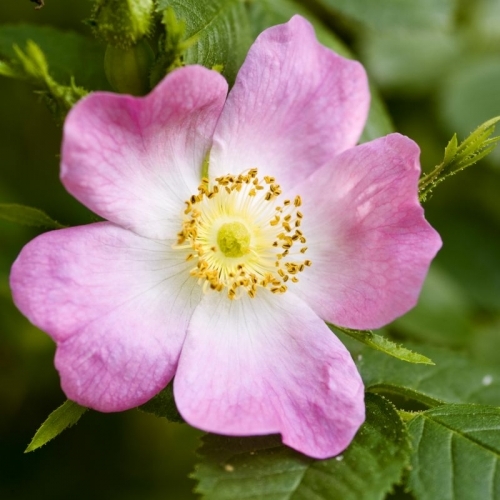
[(233, 239), (241, 238)]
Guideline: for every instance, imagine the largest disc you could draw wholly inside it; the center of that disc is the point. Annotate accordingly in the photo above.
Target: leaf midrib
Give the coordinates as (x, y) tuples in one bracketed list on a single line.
[(464, 436)]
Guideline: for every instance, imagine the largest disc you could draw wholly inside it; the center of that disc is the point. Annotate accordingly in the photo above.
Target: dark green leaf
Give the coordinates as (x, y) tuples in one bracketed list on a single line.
[(27, 216), (65, 416), (384, 345), (396, 14), (68, 54), (163, 405), (217, 32), (454, 379), (262, 469), (457, 451)]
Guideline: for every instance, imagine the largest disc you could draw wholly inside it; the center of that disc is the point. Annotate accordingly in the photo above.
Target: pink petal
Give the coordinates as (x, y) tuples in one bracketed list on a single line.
[(134, 161), (267, 365), (117, 304), (294, 105), (367, 238)]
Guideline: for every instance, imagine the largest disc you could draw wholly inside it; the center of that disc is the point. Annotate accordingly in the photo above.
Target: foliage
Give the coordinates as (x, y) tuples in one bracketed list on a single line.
[(262, 468), (59, 420), (27, 216), (435, 64)]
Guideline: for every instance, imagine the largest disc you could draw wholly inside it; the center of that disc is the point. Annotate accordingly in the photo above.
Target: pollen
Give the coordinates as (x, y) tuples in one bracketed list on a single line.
[(240, 239)]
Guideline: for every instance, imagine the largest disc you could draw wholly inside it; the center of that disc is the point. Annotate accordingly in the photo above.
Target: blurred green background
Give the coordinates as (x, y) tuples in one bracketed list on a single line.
[(438, 75)]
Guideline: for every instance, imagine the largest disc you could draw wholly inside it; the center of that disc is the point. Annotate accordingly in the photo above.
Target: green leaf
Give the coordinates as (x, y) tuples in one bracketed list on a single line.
[(384, 345), (262, 469), (163, 405), (454, 379), (65, 416), (217, 32), (457, 451), (27, 216), (457, 157), (69, 55), (401, 15)]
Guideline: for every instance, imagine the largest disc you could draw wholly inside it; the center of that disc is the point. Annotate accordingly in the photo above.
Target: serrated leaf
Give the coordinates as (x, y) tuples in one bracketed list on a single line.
[(68, 54), (65, 416), (385, 15), (262, 469), (217, 32), (384, 345), (457, 451), (472, 149), (163, 405), (454, 379), (27, 216)]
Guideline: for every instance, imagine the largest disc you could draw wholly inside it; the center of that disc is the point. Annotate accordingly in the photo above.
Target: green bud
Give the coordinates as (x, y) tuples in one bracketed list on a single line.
[(122, 23), (128, 69)]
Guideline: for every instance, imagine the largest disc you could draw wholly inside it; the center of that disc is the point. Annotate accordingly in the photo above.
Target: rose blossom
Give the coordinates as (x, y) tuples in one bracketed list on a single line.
[(226, 281)]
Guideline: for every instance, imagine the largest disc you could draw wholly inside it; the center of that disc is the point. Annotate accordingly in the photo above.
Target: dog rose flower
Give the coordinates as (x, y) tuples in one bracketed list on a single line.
[(226, 281)]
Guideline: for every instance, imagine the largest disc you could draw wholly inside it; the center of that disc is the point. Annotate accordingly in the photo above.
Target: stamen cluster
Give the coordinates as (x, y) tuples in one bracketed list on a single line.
[(271, 254)]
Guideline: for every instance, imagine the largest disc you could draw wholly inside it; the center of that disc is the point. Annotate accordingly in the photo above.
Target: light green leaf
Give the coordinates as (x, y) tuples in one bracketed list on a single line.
[(163, 405), (217, 32), (457, 157), (65, 416), (384, 345), (262, 469), (454, 379), (27, 216), (68, 54), (385, 15), (457, 451)]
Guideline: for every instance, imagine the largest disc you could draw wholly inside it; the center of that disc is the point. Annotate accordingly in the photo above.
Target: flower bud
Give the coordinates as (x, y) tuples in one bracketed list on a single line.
[(127, 69), (122, 23)]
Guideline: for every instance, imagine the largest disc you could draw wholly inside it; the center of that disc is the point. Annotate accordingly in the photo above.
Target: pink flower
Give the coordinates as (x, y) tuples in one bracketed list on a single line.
[(226, 282)]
